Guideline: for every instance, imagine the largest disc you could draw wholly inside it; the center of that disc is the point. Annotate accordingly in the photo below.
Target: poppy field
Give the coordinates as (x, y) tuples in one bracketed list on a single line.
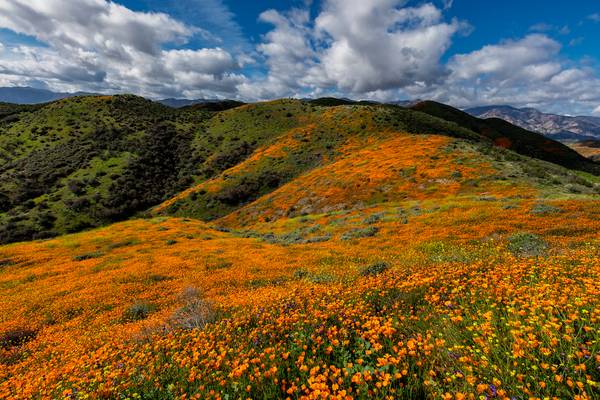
[(449, 304), (343, 256)]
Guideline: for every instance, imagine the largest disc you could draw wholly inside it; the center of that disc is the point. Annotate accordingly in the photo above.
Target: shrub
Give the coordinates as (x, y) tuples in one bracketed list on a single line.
[(88, 256), (375, 269), (301, 273), (527, 245), (373, 218), (6, 262), (360, 233), (195, 313), (318, 239), (155, 278), (544, 209), (16, 337), (124, 243), (138, 311)]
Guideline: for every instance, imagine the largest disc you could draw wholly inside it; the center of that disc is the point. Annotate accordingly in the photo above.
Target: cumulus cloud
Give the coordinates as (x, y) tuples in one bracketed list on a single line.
[(386, 50), (379, 45), (357, 47), (529, 58), (101, 45), (522, 72), (218, 22), (288, 53), (379, 49)]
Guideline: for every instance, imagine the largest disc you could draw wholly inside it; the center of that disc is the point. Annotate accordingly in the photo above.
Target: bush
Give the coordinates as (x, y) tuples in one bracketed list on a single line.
[(544, 209), (138, 312), (301, 273), (195, 313), (124, 243), (360, 233), (527, 245), (374, 218), (17, 337), (88, 256), (318, 239), (375, 269)]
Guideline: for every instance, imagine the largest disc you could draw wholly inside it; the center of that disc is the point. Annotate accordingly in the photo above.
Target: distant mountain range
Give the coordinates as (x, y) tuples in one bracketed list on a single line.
[(29, 95), (558, 127)]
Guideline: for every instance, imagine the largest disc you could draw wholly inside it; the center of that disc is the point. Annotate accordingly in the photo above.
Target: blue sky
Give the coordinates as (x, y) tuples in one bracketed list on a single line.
[(491, 23), (463, 52)]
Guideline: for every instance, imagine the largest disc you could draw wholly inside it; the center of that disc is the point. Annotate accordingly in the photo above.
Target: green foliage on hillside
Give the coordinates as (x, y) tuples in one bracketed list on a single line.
[(517, 139), (87, 161)]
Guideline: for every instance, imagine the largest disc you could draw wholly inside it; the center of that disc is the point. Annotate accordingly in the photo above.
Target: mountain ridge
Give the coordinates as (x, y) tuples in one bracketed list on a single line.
[(559, 127), (29, 95)]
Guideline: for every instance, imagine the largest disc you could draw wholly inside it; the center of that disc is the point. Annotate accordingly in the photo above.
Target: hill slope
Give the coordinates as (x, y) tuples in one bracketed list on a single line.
[(512, 137), (88, 161), (318, 154), (353, 251), (377, 301)]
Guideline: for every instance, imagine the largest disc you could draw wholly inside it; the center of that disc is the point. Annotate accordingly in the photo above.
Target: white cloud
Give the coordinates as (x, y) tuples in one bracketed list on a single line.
[(525, 72), (379, 49), (104, 26), (356, 47), (288, 53), (378, 45), (596, 111), (541, 27), (218, 22), (531, 57), (544, 27), (101, 45), (386, 50), (447, 4)]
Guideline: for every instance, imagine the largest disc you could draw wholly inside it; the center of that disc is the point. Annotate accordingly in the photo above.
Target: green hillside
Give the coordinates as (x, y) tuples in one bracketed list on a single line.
[(86, 161), (512, 137), (89, 161)]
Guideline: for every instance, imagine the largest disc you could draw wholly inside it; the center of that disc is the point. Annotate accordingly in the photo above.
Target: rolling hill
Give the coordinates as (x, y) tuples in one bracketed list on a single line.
[(88, 161), (512, 137), (587, 148), (293, 249)]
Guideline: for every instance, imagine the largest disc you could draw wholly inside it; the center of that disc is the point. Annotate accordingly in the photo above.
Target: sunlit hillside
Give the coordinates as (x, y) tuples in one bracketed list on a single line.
[(345, 252)]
